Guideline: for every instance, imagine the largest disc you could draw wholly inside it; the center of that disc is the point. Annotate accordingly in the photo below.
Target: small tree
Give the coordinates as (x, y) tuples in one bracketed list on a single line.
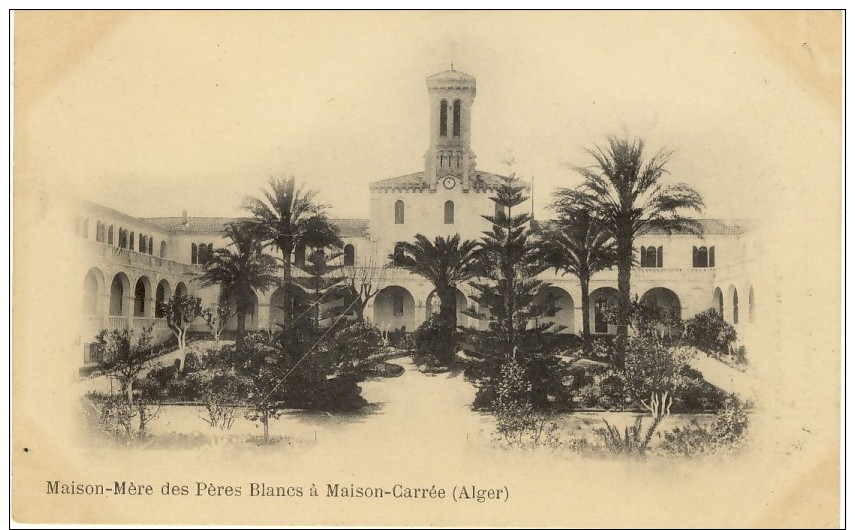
[(123, 355), (651, 372), (709, 332), (216, 318), (364, 281), (265, 370), (221, 390), (180, 312)]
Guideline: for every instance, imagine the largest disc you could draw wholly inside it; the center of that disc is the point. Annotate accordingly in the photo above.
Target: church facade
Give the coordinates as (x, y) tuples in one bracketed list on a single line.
[(131, 263)]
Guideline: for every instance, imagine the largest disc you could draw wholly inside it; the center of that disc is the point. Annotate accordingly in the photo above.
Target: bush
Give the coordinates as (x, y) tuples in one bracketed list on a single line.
[(693, 394), (606, 391), (517, 421), (433, 343), (726, 434), (709, 332), (353, 344)]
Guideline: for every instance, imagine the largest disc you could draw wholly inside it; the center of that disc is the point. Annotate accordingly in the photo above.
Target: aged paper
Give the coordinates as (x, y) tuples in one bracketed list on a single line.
[(152, 113)]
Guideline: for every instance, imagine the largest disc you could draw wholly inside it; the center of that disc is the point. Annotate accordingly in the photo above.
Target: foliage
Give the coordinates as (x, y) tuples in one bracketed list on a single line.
[(216, 319), (652, 367), (123, 355), (507, 267), (517, 421), (726, 434), (649, 320), (364, 281), (624, 191), (434, 343), (323, 288), (288, 218), (693, 394), (606, 391), (238, 271), (445, 263), (180, 311), (352, 345), (577, 244), (634, 441), (709, 332)]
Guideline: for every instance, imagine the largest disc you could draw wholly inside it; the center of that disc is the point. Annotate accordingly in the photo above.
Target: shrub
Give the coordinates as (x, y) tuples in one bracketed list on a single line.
[(726, 434), (709, 332), (693, 394), (606, 391), (353, 344), (432, 341), (517, 421)]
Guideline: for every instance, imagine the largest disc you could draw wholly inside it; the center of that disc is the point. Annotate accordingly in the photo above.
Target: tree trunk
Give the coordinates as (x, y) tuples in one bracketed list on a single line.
[(130, 390), (586, 314), (241, 327), (360, 310), (182, 349), (448, 317), (286, 284), (265, 421), (624, 263)]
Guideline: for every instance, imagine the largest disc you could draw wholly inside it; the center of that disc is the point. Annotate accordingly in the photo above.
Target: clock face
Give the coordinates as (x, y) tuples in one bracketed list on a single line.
[(449, 182)]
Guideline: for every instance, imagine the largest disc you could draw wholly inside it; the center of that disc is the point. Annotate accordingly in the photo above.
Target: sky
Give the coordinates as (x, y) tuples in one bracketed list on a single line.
[(153, 113)]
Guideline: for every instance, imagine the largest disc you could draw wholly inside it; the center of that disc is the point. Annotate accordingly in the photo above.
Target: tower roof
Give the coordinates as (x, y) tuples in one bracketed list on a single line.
[(451, 79)]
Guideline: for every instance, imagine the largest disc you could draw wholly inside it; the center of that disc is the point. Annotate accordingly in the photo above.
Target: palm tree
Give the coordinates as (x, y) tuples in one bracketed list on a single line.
[(446, 263), (623, 191), (287, 218), (240, 271), (577, 244)]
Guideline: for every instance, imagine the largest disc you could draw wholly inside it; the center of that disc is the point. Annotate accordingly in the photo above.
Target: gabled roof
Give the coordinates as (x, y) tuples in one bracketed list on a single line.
[(451, 75), (214, 225), (417, 181)]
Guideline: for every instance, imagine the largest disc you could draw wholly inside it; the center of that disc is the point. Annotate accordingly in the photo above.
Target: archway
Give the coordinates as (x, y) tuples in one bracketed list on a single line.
[(395, 307), (600, 298), (142, 293), (299, 306), (180, 289), (718, 301), (93, 286), (162, 294), (732, 309), (460, 304), (557, 309), (251, 323), (119, 286), (663, 298)]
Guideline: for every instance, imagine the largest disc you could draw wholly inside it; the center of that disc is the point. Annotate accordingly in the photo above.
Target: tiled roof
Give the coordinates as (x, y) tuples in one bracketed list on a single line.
[(709, 227), (417, 181), (214, 225)]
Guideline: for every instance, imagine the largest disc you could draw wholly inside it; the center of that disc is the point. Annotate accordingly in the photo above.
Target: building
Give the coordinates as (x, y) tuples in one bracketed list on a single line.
[(132, 263)]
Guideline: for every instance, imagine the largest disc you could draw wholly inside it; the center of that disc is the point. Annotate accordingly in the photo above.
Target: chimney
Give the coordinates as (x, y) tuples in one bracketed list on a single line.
[(184, 217)]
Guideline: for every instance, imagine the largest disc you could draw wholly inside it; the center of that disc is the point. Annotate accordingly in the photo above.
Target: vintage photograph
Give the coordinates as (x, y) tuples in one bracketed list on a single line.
[(446, 268)]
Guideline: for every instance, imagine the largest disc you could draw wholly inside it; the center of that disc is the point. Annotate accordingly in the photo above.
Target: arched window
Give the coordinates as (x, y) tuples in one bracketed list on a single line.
[(98, 232), (131, 241), (458, 161), (150, 246), (163, 249), (349, 258), (456, 124), (735, 308), (194, 254), (110, 235), (399, 212), (121, 237), (648, 256), (712, 257), (441, 160), (443, 118), (449, 212), (203, 254), (143, 246), (659, 260)]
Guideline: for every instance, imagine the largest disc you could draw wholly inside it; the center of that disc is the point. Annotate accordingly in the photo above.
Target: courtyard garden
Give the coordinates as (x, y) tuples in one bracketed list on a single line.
[(512, 381)]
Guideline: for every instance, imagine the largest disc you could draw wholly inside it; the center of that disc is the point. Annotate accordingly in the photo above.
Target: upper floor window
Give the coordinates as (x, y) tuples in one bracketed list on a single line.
[(194, 254), (143, 244), (399, 212), (110, 235), (703, 257), (349, 256), (443, 118), (163, 249), (456, 123), (449, 212), (651, 256), (131, 241)]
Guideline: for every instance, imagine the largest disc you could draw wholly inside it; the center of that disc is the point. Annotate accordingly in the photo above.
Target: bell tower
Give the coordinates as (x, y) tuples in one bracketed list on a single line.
[(450, 155)]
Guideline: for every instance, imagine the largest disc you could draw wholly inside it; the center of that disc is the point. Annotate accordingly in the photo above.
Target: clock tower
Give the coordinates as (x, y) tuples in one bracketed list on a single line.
[(449, 161)]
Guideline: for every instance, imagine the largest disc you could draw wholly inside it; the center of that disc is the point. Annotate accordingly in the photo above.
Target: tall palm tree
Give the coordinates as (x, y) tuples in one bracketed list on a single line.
[(576, 244), (287, 218), (623, 190), (240, 271), (445, 262)]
